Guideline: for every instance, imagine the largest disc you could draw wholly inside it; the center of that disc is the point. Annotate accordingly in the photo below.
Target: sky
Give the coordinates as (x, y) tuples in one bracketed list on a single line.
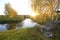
[(23, 7)]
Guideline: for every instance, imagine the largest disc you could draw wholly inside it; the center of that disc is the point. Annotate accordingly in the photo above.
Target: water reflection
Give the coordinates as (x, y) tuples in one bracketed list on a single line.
[(3, 27), (27, 23)]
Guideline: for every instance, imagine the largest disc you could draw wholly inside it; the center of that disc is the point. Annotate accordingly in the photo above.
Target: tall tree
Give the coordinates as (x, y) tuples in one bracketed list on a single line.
[(43, 8), (46, 10), (10, 12)]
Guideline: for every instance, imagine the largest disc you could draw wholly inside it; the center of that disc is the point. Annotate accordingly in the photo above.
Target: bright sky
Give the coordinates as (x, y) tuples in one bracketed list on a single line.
[(21, 6)]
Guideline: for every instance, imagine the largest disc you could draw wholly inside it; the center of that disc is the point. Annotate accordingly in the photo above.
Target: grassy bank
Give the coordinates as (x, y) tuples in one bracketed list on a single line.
[(25, 34)]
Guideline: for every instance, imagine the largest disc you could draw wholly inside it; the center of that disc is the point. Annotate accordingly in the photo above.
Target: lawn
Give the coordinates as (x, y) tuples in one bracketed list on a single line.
[(27, 34)]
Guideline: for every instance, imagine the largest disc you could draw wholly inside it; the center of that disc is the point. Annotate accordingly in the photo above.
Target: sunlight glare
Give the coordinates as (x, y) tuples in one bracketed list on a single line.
[(34, 14), (23, 7)]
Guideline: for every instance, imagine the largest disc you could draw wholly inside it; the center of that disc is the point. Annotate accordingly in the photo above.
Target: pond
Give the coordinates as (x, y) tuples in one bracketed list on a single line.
[(3, 27), (27, 23)]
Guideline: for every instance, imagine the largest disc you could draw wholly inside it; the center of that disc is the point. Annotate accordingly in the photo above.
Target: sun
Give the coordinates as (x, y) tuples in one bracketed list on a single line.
[(34, 14)]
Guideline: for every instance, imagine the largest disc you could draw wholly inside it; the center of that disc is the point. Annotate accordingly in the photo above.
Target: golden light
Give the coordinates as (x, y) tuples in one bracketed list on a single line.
[(23, 7), (34, 14)]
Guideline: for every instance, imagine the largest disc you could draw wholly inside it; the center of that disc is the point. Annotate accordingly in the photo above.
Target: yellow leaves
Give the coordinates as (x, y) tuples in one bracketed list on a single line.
[(12, 14), (10, 11), (45, 10), (41, 18), (55, 14), (42, 6)]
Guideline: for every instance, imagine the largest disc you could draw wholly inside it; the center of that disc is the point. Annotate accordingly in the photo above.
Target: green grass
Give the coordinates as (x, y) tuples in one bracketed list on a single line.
[(26, 34), (6, 19)]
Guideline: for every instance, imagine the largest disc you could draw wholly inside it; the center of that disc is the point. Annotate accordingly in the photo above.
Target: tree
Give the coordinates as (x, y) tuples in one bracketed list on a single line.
[(46, 10), (10, 12), (12, 15)]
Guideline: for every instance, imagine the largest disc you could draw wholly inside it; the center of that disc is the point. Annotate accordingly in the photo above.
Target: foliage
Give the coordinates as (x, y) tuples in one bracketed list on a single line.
[(45, 11), (43, 18), (9, 11)]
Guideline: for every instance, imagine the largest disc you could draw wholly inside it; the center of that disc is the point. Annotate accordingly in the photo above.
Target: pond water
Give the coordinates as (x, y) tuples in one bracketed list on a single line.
[(3, 27), (27, 23)]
